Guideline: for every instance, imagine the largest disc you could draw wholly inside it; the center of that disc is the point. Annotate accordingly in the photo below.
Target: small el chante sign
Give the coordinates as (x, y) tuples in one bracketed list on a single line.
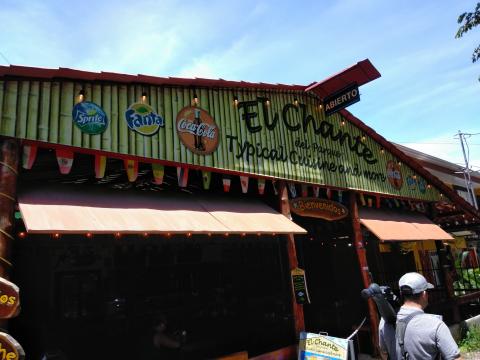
[(318, 208), (10, 349)]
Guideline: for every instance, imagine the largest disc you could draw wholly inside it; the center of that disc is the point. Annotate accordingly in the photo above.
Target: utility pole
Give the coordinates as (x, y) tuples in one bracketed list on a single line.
[(467, 170)]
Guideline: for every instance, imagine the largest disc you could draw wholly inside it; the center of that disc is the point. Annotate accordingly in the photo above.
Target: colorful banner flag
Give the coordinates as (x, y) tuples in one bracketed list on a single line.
[(304, 190), (378, 201), (158, 172), (274, 185), (206, 179), (100, 166), (244, 183), (292, 189), (340, 196), (131, 167), (370, 201), (226, 180), (261, 186), (182, 175), (316, 191), (329, 193), (29, 155), (362, 200), (65, 160)]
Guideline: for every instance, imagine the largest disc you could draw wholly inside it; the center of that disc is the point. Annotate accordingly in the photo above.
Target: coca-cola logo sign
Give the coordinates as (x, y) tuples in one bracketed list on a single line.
[(197, 130)]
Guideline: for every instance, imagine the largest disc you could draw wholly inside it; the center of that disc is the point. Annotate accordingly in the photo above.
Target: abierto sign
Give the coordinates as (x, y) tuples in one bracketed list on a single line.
[(341, 99)]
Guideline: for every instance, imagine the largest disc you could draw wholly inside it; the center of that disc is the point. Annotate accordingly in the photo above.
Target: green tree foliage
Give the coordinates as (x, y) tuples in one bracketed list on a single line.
[(467, 21)]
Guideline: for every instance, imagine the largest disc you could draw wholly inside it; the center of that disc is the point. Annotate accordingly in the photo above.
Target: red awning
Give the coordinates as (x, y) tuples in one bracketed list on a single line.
[(401, 226), (360, 74), (98, 210)]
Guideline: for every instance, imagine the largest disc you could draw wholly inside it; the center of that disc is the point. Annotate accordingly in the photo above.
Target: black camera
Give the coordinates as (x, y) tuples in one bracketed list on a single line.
[(385, 300)]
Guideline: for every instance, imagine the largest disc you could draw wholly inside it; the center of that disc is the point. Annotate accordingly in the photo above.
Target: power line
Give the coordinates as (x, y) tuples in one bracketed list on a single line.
[(431, 143), (5, 58)]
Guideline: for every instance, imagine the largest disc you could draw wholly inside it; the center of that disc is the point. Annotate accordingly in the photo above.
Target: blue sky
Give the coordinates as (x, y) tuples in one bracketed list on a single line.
[(429, 88)]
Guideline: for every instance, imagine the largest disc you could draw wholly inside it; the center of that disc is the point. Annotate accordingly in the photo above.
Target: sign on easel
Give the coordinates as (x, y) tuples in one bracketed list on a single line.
[(321, 347)]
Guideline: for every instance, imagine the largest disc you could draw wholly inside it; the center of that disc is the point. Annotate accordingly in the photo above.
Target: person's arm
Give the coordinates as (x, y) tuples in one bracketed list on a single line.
[(446, 344)]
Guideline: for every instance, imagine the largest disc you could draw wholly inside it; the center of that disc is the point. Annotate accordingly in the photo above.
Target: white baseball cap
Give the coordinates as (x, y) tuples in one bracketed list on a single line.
[(413, 283)]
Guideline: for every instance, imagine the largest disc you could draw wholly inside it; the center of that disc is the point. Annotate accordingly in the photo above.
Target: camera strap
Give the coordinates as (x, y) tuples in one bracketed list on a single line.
[(400, 332)]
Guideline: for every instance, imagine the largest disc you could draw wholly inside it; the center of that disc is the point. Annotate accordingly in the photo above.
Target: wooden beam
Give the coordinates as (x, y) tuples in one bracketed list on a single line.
[(364, 270), (284, 206)]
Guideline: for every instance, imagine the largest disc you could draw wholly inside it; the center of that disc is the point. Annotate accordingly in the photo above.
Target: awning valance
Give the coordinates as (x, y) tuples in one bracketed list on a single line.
[(401, 226), (83, 209)]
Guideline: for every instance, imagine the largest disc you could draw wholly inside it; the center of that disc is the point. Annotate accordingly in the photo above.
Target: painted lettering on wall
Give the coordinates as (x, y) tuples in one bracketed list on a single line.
[(326, 130)]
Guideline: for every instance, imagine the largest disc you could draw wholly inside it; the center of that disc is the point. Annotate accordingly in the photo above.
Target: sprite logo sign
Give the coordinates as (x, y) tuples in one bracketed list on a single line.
[(89, 117)]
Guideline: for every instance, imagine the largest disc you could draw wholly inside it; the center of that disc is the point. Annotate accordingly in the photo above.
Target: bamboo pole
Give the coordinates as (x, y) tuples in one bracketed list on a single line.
[(88, 97), (114, 120), (106, 136), (54, 112), (153, 101), (77, 133), (123, 130), (9, 113), (22, 110), (9, 160), (32, 113), (169, 123), (44, 111), (364, 270), (66, 105), (297, 309)]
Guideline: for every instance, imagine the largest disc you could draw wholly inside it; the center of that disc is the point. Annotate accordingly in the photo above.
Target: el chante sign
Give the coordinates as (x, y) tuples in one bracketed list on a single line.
[(318, 208)]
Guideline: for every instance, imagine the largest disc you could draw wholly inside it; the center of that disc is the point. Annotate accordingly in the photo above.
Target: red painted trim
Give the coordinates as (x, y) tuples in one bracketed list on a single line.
[(360, 73), (14, 71)]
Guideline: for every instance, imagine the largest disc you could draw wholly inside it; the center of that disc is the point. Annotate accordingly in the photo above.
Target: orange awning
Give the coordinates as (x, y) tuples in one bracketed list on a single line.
[(401, 226), (81, 209)]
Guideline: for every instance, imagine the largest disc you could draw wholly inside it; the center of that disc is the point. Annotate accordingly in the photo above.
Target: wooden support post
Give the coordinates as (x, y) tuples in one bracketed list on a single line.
[(362, 261), (292, 257), (9, 158)]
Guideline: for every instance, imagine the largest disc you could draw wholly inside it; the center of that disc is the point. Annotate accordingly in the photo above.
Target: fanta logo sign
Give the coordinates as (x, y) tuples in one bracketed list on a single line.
[(197, 130), (142, 119), (394, 175), (318, 208), (89, 117)]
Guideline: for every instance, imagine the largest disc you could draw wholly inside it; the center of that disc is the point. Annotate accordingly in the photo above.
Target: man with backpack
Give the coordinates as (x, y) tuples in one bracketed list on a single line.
[(418, 336)]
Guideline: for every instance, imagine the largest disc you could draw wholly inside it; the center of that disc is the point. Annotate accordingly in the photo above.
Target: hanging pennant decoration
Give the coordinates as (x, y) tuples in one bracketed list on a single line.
[(182, 175), (65, 160), (329, 193), (377, 201), (131, 166), (389, 203), (261, 186), (369, 201), (28, 156), (316, 191), (100, 166), (274, 185), (362, 200), (397, 203), (244, 183), (304, 188), (206, 179), (226, 180), (340, 196), (158, 171), (292, 189)]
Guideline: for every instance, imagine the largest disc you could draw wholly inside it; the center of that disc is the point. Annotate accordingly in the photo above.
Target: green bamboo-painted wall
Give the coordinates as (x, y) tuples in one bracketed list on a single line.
[(42, 110)]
